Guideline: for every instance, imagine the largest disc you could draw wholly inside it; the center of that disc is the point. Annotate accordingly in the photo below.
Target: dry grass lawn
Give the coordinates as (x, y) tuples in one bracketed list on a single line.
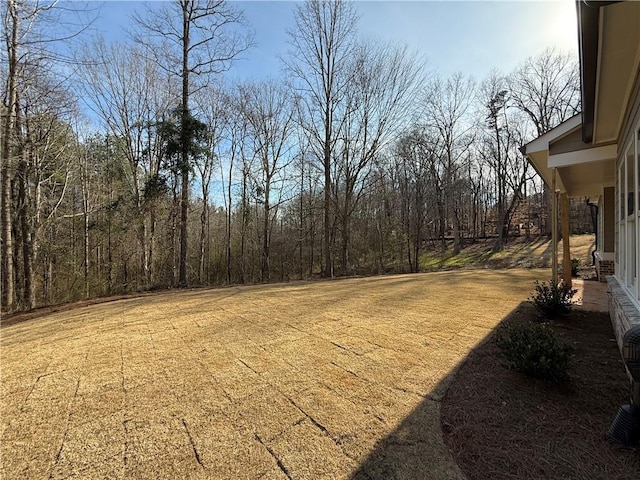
[(332, 380)]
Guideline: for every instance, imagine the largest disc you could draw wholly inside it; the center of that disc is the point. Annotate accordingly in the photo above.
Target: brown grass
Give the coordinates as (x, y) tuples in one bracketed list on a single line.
[(503, 425), (339, 379)]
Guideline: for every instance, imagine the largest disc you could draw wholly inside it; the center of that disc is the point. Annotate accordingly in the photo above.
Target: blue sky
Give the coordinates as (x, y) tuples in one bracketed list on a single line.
[(453, 36)]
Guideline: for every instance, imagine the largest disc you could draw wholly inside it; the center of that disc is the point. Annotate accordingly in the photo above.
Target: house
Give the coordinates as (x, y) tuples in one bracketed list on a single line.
[(597, 153)]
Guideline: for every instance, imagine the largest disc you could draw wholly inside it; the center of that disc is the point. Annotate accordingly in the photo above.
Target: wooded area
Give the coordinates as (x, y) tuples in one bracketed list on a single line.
[(137, 165)]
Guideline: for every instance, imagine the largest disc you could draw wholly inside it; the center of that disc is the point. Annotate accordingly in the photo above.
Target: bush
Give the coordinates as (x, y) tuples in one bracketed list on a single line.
[(533, 348), (575, 264), (553, 299)]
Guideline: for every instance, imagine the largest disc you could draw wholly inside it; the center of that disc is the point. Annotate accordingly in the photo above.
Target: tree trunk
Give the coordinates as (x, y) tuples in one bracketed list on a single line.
[(345, 243), (173, 233), (144, 249), (312, 245), (8, 280), (266, 274), (328, 263), (203, 236), (243, 228), (28, 292), (498, 245), (409, 253), (184, 167), (441, 222), (457, 240), (85, 217), (228, 226), (109, 254), (152, 240), (301, 222), (416, 243), (8, 277), (380, 246), (184, 217), (86, 249)]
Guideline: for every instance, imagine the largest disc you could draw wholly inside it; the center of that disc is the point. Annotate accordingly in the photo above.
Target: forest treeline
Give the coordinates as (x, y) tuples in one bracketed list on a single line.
[(138, 165)]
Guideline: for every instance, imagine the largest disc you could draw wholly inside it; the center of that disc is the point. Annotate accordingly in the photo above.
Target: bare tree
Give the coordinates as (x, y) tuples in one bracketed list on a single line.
[(31, 29), (213, 104), (322, 44), (446, 114), (192, 38), (504, 134), (269, 111), (546, 88), (12, 24), (378, 102), (419, 174), (43, 169), (124, 88), (233, 159)]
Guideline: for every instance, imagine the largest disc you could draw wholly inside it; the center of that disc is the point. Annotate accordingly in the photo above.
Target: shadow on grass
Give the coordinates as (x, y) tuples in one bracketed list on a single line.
[(505, 425), (415, 450), (517, 252)]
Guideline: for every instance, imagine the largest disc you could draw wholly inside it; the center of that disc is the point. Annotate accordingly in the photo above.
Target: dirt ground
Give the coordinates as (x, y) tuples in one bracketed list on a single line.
[(503, 425), (334, 379)]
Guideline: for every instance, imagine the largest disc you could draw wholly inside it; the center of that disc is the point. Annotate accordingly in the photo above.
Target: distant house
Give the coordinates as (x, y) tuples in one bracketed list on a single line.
[(597, 153)]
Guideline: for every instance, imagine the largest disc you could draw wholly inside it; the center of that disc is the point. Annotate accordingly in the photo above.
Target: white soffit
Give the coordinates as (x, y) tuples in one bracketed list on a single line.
[(587, 180), (618, 62)]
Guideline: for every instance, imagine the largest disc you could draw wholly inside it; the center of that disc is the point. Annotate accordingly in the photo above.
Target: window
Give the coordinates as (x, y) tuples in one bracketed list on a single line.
[(637, 214), (631, 183), (621, 190), (617, 223), (627, 232), (630, 195), (621, 223)]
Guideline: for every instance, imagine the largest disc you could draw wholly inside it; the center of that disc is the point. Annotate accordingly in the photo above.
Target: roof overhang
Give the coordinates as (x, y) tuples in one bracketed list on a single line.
[(583, 169), (609, 43)]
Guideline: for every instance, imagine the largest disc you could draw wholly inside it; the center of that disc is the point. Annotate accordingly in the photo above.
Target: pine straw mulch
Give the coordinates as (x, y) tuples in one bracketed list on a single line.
[(500, 424)]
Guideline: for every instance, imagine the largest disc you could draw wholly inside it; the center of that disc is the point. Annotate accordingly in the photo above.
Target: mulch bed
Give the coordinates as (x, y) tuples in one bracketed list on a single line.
[(500, 424)]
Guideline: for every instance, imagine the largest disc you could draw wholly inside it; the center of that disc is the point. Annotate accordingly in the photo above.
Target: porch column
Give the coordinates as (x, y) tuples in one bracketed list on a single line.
[(566, 252)]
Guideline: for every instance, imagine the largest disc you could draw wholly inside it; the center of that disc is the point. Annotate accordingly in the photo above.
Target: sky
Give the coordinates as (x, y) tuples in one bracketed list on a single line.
[(471, 37)]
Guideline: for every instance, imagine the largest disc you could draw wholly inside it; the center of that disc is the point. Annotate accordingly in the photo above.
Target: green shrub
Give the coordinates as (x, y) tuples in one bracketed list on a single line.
[(575, 264), (553, 299), (533, 348)]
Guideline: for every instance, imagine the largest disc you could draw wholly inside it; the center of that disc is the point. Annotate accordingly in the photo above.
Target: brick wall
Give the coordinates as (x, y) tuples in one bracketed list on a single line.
[(604, 269)]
